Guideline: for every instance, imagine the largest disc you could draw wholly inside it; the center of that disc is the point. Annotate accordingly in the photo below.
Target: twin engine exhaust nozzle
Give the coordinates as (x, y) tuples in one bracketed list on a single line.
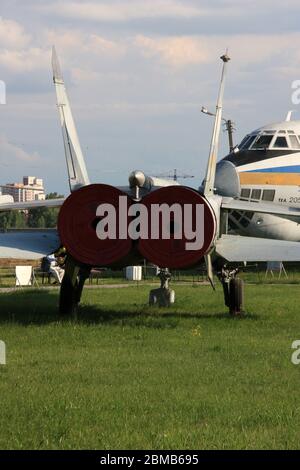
[(173, 226)]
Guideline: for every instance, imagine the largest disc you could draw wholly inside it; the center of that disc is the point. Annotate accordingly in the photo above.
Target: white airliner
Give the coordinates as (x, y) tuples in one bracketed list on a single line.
[(253, 192), (266, 169)]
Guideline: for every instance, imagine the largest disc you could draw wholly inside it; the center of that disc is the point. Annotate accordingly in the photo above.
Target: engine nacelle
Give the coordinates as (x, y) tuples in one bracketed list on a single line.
[(170, 227), (192, 224), (78, 220)]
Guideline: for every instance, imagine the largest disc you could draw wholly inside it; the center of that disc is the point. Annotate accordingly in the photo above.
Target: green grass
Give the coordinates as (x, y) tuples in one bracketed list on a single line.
[(126, 376), (251, 274)]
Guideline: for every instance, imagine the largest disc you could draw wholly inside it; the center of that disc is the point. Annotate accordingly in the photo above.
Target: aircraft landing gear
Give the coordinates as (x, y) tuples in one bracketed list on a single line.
[(163, 296), (71, 287), (233, 288)]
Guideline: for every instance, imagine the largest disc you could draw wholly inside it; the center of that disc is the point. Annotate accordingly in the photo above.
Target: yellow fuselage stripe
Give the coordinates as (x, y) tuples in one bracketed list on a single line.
[(270, 178)]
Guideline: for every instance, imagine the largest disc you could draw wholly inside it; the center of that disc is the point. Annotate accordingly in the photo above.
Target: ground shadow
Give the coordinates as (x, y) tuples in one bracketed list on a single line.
[(40, 307)]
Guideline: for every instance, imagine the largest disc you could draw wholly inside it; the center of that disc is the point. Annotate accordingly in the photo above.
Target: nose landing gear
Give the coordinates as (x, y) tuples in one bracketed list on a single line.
[(163, 296)]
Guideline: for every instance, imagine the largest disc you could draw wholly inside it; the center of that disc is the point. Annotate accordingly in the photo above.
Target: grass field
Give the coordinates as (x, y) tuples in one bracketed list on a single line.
[(126, 376), (251, 274)]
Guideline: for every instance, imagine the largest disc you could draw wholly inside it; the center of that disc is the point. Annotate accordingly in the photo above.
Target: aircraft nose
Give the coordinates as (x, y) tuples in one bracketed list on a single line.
[(227, 182), (137, 178)]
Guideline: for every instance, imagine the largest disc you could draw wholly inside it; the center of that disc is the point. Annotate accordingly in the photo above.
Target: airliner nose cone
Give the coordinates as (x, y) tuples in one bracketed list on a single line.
[(137, 178), (227, 182)]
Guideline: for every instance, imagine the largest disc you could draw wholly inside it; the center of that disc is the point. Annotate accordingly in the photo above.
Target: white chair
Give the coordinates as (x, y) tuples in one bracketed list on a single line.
[(24, 276)]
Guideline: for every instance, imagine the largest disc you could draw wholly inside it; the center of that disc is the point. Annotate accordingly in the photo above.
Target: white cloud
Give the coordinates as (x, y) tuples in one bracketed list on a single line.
[(124, 11), (11, 153), (120, 79), (17, 49), (245, 49), (12, 34), (100, 45), (77, 42), (66, 39), (80, 75), (251, 49), (24, 60), (175, 51)]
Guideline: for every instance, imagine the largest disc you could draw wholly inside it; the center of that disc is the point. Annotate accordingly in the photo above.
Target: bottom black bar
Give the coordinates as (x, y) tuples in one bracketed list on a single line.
[(140, 458)]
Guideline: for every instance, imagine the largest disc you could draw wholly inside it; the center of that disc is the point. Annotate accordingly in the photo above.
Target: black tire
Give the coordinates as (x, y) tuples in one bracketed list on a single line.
[(68, 298), (225, 286), (236, 296), (152, 298)]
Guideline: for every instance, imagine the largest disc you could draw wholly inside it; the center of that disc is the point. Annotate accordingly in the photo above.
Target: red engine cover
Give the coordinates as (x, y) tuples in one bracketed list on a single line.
[(173, 253), (77, 226)]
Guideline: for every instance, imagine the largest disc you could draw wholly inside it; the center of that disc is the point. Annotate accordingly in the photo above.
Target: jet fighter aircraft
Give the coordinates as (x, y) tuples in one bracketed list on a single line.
[(169, 225)]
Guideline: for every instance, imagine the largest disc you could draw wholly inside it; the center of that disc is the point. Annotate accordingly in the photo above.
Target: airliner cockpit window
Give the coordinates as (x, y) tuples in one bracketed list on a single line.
[(244, 141), (294, 142), (247, 141), (262, 142), (281, 142)]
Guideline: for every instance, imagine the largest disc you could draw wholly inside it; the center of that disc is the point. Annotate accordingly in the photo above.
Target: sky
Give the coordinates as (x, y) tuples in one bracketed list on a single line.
[(137, 75)]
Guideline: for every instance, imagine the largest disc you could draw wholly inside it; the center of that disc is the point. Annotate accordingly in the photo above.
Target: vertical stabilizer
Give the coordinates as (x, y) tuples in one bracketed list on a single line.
[(209, 180), (78, 176)]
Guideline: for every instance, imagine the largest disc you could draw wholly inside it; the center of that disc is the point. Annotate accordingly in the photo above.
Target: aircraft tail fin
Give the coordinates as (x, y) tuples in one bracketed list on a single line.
[(209, 180), (77, 171)]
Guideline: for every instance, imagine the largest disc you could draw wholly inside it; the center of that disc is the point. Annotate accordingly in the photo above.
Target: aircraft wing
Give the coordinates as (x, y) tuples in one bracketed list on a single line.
[(8, 206), (262, 207), (237, 248), (31, 243), (28, 244)]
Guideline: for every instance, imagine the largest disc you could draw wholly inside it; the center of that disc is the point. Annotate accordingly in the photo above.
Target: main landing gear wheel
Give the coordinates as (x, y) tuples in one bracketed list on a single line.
[(68, 303), (236, 296), (71, 287), (233, 288)]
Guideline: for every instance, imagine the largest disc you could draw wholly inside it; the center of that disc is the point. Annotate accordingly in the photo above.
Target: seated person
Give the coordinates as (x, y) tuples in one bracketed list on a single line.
[(54, 268)]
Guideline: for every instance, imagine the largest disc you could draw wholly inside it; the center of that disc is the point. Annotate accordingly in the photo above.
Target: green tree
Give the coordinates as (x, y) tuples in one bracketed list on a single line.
[(41, 217), (44, 215), (12, 219)]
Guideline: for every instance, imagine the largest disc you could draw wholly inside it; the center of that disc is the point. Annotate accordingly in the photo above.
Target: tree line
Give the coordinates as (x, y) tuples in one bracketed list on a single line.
[(41, 217)]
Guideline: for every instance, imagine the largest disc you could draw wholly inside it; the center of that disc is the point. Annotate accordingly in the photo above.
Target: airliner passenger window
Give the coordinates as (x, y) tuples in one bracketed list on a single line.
[(268, 195), (294, 142), (281, 142), (262, 142), (245, 193), (256, 193)]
